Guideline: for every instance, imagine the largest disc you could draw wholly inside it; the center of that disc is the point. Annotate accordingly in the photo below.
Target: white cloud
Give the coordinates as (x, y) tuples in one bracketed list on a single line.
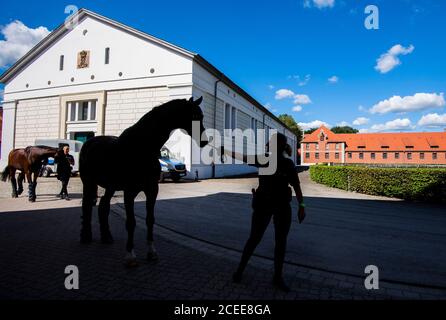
[(299, 99), (297, 108), (397, 124), (19, 39), (433, 120), (417, 102), (361, 108), (343, 124), (305, 81), (389, 60), (312, 124), (363, 130), (360, 121), (271, 87), (320, 4), (302, 99), (301, 81), (333, 79), (284, 93)]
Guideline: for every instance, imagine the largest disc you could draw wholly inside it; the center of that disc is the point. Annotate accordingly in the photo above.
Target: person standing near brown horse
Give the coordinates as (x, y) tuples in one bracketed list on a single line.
[(64, 161), (29, 162)]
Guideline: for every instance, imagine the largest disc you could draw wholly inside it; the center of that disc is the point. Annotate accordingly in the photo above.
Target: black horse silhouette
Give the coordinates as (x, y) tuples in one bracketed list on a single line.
[(28, 161), (137, 149)]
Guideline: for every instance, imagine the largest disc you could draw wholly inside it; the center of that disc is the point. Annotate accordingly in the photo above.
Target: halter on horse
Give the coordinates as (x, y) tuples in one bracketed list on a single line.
[(106, 161), (29, 162)]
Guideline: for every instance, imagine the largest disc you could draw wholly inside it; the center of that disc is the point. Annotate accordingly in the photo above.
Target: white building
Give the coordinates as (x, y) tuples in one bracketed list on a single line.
[(98, 77)]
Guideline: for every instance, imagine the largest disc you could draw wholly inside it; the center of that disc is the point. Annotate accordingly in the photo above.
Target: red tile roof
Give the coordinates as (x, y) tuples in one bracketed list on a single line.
[(420, 141)]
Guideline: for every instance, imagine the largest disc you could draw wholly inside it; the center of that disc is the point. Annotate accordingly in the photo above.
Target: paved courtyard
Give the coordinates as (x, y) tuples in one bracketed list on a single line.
[(200, 230)]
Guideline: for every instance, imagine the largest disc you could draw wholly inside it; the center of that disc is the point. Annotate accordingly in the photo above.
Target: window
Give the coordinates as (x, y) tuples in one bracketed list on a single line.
[(397, 155), (349, 155), (327, 155), (337, 155), (227, 116), (373, 156), (385, 155), (233, 120), (81, 110), (422, 155), (337, 146), (409, 155), (307, 155), (327, 147), (107, 55), (361, 155), (254, 129), (434, 156), (321, 137), (316, 155), (61, 62), (317, 146), (308, 146)]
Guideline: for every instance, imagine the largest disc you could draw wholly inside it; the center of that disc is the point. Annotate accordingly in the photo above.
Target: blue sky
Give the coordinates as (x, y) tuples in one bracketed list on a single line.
[(295, 47)]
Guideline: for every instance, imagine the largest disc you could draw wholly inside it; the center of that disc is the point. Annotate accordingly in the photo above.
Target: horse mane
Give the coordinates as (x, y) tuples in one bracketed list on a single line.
[(162, 110)]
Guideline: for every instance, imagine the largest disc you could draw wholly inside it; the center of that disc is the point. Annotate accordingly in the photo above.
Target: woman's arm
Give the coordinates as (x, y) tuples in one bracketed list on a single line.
[(300, 198)]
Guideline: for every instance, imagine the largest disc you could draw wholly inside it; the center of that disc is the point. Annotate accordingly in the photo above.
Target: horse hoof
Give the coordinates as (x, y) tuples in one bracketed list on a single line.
[(19, 192), (130, 260), (152, 256), (32, 200), (131, 263), (14, 196)]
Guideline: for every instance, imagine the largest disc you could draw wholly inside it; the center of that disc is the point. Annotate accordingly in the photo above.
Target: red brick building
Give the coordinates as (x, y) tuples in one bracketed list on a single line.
[(324, 146)]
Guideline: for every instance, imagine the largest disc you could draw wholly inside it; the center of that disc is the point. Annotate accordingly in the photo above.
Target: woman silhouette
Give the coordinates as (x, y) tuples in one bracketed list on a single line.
[(272, 199)]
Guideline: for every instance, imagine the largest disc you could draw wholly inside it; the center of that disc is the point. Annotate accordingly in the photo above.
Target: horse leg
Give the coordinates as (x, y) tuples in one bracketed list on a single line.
[(15, 193), (129, 202), (34, 175), (104, 210), (88, 198), (151, 193), (20, 179), (30, 186)]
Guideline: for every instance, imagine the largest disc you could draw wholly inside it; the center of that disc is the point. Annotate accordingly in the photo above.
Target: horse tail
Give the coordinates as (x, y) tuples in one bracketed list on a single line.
[(5, 174)]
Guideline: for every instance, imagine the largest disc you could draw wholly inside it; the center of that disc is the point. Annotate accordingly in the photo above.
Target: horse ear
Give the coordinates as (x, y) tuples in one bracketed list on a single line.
[(198, 101), (191, 99)]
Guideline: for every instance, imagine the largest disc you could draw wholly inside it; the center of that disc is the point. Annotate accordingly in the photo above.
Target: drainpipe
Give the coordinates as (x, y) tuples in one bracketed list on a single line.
[(215, 122)]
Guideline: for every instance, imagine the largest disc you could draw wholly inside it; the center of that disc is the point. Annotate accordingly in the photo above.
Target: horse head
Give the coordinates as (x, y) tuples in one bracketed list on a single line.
[(191, 114)]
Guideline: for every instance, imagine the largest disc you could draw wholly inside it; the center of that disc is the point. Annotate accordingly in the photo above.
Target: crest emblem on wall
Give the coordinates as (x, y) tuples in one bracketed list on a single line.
[(83, 59)]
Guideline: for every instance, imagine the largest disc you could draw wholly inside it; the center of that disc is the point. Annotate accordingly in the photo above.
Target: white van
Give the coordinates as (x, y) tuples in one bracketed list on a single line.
[(75, 149)]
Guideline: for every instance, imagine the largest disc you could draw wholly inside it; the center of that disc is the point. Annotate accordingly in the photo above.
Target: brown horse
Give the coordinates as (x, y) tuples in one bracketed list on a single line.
[(28, 161)]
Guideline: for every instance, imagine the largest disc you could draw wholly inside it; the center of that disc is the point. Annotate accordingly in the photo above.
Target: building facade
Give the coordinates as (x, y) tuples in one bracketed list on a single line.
[(415, 148), (95, 76)]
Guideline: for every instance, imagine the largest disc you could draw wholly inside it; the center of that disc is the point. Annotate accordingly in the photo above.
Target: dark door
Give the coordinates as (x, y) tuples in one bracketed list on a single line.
[(83, 136)]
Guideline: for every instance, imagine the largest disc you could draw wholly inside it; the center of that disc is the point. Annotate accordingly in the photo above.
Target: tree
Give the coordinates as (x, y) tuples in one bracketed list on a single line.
[(344, 129), (291, 123), (310, 131)]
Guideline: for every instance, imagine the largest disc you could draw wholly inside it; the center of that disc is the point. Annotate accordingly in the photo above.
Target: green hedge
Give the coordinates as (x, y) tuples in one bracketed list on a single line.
[(425, 184)]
